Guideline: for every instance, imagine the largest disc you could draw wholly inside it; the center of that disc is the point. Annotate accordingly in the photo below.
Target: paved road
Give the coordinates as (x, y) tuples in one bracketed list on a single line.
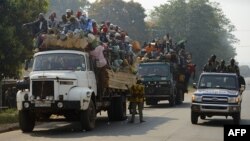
[(162, 124)]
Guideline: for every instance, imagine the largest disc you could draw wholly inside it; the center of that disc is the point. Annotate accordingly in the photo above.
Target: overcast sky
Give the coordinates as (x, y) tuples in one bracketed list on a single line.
[(237, 11)]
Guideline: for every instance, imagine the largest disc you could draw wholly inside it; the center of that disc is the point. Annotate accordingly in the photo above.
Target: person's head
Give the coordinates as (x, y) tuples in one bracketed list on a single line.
[(41, 16), (68, 12), (222, 62), (232, 61), (213, 57), (78, 14), (64, 19)]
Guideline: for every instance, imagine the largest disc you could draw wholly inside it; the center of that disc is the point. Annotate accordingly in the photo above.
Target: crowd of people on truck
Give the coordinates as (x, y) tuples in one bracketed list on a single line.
[(164, 49), (215, 66), (110, 39)]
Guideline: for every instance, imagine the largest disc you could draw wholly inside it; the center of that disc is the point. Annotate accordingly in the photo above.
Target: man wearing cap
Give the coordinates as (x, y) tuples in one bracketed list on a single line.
[(68, 14)]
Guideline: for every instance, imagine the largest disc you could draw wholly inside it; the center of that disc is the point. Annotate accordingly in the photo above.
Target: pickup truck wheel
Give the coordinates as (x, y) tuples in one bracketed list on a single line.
[(194, 117), (26, 120), (236, 118), (88, 117)]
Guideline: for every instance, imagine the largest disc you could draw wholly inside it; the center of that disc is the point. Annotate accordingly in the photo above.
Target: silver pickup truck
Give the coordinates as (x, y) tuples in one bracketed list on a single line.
[(217, 94)]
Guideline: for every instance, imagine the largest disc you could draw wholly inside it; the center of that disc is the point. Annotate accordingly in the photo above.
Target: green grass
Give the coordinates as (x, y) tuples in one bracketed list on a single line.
[(8, 116)]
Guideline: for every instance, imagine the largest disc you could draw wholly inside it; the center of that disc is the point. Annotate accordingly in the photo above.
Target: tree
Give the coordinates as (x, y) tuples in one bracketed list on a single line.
[(128, 15), (16, 42), (202, 23)]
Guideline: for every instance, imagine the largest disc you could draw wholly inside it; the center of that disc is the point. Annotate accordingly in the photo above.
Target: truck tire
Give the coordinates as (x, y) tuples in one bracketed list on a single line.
[(194, 117), (172, 99), (26, 121), (151, 102), (236, 118), (88, 117), (179, 96), (118, 109)]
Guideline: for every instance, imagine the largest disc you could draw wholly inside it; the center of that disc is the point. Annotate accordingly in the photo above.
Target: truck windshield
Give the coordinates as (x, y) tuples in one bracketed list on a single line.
[(59, 61), (216, 81), (153, 70)]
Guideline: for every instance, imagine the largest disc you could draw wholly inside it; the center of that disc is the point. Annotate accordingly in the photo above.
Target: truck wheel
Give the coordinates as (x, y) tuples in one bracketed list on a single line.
[(203, 117), (172, 99), (194, 117), (151, 102), (118, 109), (26, 120), (236, 118), (88, 117), (179, 96)]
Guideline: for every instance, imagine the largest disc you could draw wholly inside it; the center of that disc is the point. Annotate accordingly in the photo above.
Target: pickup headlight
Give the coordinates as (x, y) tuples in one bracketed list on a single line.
[(196, 98), (233, 99)]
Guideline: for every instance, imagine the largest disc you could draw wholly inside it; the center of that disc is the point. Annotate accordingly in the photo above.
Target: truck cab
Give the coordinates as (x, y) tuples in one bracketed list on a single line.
[(217, 94), (61, 82), (157, 78)]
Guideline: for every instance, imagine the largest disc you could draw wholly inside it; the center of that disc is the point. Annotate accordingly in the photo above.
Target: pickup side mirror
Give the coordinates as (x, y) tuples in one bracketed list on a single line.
[(242, 88), (195, 85)]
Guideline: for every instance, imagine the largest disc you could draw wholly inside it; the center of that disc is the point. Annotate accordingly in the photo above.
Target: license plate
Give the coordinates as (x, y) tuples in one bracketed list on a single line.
[(42, 104)]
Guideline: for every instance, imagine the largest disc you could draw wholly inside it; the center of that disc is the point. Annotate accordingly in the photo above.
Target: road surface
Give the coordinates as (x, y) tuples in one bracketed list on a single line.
[(163, 123)]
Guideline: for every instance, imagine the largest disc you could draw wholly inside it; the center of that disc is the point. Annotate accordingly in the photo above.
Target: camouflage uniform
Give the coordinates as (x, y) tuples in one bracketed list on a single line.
[(137, 99)]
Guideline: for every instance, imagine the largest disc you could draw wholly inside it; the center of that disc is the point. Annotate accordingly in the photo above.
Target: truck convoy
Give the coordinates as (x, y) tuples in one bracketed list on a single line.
[(217, 94)]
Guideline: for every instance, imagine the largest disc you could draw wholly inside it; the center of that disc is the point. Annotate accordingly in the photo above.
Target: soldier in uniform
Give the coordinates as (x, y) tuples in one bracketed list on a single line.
[(137, 99), (214, 62), (232, 67), (209, 67), (222, 67)]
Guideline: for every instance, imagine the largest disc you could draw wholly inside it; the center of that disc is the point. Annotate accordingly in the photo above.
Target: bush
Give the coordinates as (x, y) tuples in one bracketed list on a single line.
[(8, 116)]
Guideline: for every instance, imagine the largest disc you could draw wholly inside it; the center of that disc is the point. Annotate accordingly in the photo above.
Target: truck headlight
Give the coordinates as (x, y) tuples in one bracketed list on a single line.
[(26, 104), (233, 99), (196, 98)]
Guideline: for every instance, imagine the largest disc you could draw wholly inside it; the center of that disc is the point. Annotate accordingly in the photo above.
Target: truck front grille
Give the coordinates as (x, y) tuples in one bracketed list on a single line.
[(214, 99), (43, 89)]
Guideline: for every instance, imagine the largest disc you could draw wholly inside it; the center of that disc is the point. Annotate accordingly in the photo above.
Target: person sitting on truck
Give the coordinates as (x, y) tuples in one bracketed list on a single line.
[(214, 62), (232, 67), (137, 99), (222, 67), (209, 67)]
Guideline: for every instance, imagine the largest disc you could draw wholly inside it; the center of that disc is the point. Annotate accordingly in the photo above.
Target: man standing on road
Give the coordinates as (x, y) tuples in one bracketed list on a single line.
[(137, 99)]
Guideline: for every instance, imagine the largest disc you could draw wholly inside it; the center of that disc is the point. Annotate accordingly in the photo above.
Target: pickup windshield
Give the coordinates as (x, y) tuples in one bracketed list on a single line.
[(59, 61), (154, 70), (218, 82)]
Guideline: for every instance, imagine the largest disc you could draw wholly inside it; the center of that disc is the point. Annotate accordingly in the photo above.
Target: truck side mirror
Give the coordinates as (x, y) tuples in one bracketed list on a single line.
[(242, 88), (195, 85)]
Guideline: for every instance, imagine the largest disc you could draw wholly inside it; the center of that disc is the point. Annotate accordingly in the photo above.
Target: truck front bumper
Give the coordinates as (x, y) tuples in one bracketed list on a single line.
[(51, 105), (215, 109)]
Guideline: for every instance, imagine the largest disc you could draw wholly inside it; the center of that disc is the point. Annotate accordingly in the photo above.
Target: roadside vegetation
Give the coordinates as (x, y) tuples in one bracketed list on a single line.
[(8, 116)]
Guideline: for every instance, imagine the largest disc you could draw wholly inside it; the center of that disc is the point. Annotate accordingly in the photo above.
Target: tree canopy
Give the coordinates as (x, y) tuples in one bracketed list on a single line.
[(16, 42), (202, 23)]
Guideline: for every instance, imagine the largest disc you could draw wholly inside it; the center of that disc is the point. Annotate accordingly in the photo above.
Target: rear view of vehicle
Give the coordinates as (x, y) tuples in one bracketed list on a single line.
[(217, 94), (158, 80)]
